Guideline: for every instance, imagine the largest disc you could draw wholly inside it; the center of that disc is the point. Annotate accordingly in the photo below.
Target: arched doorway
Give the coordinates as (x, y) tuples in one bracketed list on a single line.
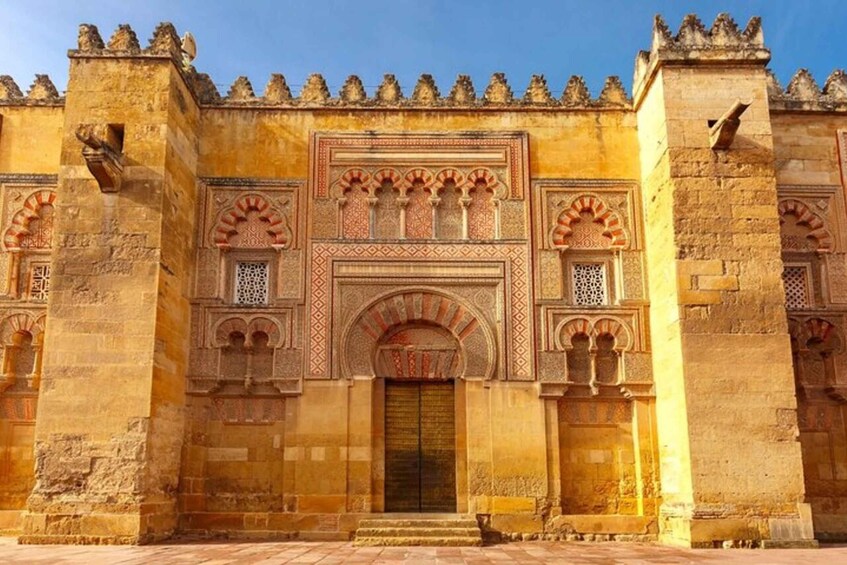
[(418, 362)]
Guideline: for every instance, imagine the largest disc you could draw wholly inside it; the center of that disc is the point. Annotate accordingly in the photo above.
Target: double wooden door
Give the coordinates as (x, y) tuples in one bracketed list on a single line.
[(420, 447)]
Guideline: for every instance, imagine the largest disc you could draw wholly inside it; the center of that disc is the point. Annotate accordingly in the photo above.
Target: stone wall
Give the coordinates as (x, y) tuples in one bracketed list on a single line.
[(596, 275)]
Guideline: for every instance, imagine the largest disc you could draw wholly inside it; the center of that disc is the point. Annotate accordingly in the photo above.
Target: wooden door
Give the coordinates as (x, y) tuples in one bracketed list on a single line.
[(420, 447)]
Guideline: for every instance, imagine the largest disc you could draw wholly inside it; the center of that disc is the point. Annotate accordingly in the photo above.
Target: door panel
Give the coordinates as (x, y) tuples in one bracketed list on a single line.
[(438, 448), (402, 446), (420, 447)]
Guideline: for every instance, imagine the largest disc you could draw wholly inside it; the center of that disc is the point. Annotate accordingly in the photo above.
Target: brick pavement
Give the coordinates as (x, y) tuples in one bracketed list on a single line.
[(221, 553)]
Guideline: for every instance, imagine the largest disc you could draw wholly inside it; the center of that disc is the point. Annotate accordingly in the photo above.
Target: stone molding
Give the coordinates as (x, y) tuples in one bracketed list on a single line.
[(34, 179)]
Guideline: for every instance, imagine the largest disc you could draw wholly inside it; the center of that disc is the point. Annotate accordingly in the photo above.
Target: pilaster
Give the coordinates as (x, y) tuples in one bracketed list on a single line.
[(731, 467), (111, 411)]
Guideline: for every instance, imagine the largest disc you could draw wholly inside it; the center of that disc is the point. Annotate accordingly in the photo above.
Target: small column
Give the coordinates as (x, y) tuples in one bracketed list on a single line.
[(434, 201), (372, 201), (465, 201), (12, 280), (402, 202)]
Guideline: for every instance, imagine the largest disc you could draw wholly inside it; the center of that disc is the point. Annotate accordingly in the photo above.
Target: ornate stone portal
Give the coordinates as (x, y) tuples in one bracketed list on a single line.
[(280, 315)]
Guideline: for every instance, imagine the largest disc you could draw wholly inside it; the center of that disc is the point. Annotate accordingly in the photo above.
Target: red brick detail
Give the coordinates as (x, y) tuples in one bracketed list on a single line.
[(227, 225), (19, 226), (806, 217), (602, 214)]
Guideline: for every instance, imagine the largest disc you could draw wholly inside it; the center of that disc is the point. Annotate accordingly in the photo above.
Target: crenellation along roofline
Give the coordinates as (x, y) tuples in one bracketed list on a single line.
[(724, 43)]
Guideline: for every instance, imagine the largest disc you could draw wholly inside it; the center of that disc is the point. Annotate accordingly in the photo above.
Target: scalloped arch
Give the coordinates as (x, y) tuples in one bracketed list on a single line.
[(247, 327), (804, 215), (615, 329), (489, 180), (482, 175), (820, 329), (19, 226), (449, 174), (21, 322), (388, 175), (428, 306), (613, 227), (420, 175), (353, 175), (227, 225), (571, 328)]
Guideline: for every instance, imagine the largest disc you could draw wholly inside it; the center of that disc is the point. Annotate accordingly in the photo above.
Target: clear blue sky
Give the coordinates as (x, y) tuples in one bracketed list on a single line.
[(409, 37)]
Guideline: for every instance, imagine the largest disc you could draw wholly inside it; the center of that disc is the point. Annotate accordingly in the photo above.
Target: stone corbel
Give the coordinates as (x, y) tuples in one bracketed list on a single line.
[(102, 151), (633, 390), (722, 131), (837, 393)]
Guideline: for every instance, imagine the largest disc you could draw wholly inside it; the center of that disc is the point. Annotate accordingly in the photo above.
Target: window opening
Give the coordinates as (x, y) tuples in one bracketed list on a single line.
[(796, 283), (39, 281), (251, 283), (589, 284)]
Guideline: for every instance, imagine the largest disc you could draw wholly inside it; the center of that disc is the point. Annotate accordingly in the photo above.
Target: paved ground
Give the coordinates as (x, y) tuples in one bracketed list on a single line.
[(339, 552)]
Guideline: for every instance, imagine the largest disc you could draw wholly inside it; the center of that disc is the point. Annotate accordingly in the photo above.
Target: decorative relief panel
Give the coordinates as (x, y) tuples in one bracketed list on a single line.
[(597, 349), (249, 279), (564, 204), (504, 153), (326, 258), (26, 209), (550, 274), (633, 275), (590, 277), (813, 231), (820, 359)]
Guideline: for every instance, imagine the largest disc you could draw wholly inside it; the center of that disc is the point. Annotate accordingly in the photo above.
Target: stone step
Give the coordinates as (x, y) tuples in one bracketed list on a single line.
[(417, 532), (417, 523), (415, 529), (417, 541)]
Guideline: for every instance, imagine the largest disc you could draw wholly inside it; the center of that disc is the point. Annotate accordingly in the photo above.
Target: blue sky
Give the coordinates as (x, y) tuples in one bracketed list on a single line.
[(409, 37)]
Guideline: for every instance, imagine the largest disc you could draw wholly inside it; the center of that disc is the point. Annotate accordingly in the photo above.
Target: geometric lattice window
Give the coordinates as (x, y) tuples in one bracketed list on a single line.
[(589, 284), (251, 283), (39, 281), (796, 283)]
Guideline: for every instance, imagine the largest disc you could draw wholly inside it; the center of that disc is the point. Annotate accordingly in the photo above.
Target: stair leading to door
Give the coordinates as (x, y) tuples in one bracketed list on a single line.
[(418, 529)]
